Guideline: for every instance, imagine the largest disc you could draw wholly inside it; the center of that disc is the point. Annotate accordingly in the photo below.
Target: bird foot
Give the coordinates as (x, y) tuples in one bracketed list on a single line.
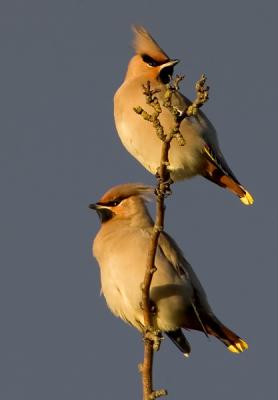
[(153, 308), (164, 187), (154, 335)]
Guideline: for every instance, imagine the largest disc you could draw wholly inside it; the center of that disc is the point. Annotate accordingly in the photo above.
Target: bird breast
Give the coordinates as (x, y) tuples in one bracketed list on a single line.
[(140, 139), (122, 260)]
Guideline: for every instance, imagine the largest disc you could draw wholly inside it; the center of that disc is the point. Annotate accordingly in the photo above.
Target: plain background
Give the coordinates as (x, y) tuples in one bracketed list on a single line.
[(61, 62)]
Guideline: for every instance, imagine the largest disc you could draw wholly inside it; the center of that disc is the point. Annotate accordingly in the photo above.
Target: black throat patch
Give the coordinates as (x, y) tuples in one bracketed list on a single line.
[(104, 214)]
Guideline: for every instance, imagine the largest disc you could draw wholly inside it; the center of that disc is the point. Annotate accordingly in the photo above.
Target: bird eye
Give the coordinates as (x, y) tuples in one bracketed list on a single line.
[(149, 60), (113, 203)]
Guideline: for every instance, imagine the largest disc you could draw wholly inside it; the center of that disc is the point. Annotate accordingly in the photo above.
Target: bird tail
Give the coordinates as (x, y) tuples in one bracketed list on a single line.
[(232, 341), (225, 178)]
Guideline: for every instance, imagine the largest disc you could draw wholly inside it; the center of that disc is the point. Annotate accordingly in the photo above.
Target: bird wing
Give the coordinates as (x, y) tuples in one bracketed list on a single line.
[(180, 102), (176, 259), (217, 158), (173, 254), (205, 128)]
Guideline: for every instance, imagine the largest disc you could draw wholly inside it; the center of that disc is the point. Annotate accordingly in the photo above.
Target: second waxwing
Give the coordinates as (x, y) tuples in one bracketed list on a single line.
[(178, 298), (201, 154)]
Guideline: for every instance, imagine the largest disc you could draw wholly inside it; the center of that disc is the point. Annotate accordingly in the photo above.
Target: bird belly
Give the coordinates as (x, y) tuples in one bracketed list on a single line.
[(140, 139), (120, 302), (122, 275), (144, 149), (144, 145), (172, 302), (124, 300)]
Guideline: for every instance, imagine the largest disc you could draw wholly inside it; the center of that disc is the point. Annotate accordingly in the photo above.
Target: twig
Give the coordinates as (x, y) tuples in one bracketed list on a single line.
[(152, 100), (152, 337), (202, 96)]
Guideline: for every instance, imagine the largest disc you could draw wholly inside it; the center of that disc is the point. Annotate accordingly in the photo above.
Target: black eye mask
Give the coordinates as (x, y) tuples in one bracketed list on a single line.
[(112, 203), (151, 62)]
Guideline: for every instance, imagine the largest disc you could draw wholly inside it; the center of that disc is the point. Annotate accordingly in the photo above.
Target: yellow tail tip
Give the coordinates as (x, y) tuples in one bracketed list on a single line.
[(247, 199), (238, 347)]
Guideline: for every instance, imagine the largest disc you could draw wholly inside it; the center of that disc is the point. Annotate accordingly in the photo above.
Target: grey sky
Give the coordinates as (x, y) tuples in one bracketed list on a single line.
[(61, 62)]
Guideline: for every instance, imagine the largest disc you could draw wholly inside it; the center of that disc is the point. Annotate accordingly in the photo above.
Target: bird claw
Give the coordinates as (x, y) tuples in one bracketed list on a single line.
[(163, 188), (153, 308), (155, 336)]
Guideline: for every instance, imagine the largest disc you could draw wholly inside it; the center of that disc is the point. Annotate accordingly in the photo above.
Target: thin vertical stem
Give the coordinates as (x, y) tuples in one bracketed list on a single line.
[(151, 336), (162, 186)]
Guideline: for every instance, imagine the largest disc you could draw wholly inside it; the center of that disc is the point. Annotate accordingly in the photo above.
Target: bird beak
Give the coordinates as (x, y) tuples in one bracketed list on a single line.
[(166, 71), (170, 63), (174, 62), (103, 212), (97, 207)]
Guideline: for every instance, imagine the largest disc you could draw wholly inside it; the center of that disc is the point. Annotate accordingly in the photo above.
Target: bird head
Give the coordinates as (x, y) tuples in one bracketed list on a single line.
[(123, 202), (150, 60)]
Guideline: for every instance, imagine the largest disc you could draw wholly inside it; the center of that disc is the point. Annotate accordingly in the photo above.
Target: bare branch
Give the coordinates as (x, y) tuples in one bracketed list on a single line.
[(202, 96), (152, 337), (152, 100)]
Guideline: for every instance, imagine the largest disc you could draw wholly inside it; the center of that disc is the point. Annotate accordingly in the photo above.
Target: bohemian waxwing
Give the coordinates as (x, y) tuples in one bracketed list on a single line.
[(200, 154), (121, 248)]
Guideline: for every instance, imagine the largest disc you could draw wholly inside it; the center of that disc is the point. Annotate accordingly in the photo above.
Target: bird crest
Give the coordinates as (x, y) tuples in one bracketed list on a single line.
[(143, 43), (126, 190)]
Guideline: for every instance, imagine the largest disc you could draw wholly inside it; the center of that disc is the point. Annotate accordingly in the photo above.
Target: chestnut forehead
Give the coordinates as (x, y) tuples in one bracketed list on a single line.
[(122, 192), (110, 196), (110, 200)]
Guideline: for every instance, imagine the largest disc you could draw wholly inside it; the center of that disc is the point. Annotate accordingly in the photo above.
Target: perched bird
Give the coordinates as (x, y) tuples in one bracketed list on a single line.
[(201, 154), (121, 248)]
